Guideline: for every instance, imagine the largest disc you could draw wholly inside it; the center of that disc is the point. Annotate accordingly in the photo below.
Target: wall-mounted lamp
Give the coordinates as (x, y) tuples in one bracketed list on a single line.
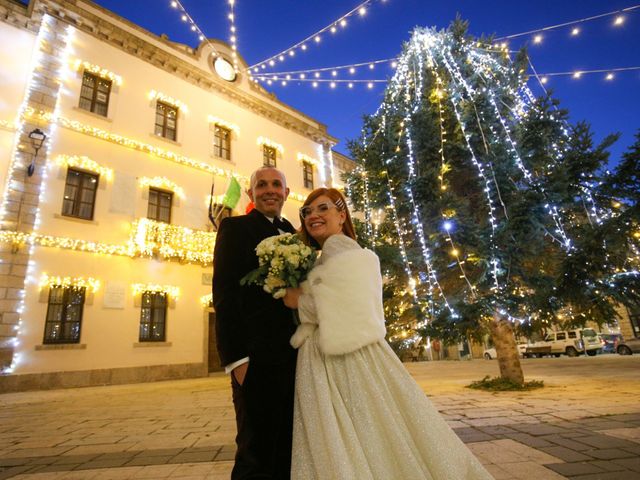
[(37, 138)]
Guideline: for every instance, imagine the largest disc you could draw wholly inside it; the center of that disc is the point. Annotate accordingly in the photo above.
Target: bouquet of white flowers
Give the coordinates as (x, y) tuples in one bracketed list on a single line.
[(284, 262)]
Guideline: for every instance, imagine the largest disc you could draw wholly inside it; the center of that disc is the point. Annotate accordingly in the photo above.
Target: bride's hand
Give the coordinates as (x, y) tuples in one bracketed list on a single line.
[(291, 297)]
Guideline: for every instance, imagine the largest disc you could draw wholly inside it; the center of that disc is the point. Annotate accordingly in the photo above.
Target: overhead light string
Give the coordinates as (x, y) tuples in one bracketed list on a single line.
[(315, 38), (284, 79), (352, 68), (185, 17), (502, 48), (233, 34), (619, 20)]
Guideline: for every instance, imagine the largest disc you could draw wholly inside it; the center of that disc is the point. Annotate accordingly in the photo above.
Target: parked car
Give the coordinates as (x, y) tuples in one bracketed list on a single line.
[(610, 342), (627, 347), (490, 353), (570, 342)]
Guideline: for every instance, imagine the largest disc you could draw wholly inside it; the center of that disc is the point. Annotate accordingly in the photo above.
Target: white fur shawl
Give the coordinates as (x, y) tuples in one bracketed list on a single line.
[(347, 292)]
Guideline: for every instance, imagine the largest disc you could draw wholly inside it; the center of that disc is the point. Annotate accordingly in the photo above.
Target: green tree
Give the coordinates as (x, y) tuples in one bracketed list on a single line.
[(479, 199)]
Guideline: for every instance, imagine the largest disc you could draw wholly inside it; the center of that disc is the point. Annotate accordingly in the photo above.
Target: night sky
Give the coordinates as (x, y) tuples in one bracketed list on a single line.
[(265, 28)]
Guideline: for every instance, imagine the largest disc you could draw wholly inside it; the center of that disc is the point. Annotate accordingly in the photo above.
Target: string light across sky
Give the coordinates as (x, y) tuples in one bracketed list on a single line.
[(333, 57)]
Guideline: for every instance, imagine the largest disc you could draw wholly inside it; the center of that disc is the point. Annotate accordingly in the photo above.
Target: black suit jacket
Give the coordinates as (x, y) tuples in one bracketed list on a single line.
[(249, 321)]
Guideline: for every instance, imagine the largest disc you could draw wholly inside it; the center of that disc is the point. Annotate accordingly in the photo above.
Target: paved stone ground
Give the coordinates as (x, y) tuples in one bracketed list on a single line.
[(585, 424)]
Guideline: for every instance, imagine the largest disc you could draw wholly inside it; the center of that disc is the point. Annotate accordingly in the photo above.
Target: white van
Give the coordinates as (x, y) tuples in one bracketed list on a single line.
[(568, 342)]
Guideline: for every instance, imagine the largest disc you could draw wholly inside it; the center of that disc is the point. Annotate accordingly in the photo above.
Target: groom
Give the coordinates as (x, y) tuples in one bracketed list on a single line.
[(253, 331)]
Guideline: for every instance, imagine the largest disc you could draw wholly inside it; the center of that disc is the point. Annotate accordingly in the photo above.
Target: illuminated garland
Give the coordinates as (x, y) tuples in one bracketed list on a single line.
[(63, 242), (96, 70), (54, 41), (149, 237), (206, 300), (133, 144), (30, 113), (164, 183), (140, 288), (68, 282), (298, 197), (85, 163), (224, 124), (263, 141), (7, 125), (215, 199), (155, 95), (307, 159)]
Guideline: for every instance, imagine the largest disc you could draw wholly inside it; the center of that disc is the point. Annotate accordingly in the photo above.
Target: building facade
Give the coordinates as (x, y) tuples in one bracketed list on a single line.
[(116, 146)]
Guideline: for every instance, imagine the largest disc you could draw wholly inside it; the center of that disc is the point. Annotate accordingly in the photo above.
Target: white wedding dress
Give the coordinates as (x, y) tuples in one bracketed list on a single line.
[(360, 415)]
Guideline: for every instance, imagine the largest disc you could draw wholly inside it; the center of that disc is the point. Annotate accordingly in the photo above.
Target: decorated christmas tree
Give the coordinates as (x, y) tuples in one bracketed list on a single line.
[(481, 201)]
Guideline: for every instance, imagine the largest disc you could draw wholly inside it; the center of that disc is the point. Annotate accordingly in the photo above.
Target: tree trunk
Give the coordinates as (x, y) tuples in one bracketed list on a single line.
[(506, 349)]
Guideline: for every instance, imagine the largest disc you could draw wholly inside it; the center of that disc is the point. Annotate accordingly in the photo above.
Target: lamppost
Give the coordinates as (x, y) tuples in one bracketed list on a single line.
[(37, 138)]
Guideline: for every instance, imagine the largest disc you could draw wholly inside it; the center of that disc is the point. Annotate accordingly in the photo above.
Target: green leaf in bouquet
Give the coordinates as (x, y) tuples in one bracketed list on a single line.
[(254, 276)]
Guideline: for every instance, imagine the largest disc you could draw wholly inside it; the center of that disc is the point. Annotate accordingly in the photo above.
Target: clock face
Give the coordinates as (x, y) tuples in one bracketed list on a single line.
[(224, 69)]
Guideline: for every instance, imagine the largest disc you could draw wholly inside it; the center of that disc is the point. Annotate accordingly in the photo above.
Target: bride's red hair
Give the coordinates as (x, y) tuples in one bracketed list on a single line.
[(340, 202)]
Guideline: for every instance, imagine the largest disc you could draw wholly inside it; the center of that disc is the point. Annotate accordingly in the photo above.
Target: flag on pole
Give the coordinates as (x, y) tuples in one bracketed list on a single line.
[(211, 215), (232, 196)]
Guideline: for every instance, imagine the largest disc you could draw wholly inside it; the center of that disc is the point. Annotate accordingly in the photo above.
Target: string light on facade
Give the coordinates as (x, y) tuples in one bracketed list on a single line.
[(206, 300), (140, 288), (159, 152), (264, 141), (85, 163), (98, 71), (163, 183), (91, 284), (224, 124), (307, 159), (149, 238), (45, 37), (155, 95)]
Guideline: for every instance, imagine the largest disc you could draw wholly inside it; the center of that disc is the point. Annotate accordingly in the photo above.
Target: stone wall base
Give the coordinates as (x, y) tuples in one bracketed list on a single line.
[(108, 376)]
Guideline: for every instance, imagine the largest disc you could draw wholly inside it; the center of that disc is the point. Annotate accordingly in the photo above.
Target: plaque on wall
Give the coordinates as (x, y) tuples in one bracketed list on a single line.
[(114, 295), (123, 199), (207, 278)]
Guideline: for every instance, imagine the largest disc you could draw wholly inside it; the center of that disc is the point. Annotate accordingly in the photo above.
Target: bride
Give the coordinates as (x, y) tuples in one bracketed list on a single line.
[(358, 414)]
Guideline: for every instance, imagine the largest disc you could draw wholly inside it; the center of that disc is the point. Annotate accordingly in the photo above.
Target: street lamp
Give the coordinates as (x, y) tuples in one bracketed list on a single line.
[(37, 138)]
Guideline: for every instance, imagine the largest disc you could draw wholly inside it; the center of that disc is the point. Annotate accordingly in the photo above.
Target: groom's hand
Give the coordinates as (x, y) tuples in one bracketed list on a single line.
[(240, 372)]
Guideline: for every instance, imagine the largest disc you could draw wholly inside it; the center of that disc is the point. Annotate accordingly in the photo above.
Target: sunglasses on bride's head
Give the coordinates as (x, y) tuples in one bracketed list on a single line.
[(320, 209)]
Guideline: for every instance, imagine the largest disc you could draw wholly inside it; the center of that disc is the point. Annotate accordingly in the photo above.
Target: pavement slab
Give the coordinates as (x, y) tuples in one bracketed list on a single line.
[(585, 424)]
